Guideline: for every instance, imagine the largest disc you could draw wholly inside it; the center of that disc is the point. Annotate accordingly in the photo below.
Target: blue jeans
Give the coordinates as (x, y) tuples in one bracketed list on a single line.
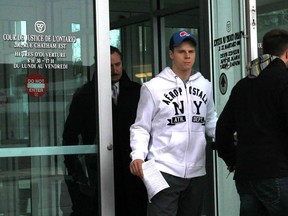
[(266, 197)]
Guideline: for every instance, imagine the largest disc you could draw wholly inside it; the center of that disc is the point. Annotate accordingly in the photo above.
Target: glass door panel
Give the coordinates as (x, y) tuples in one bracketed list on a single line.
[(138, 40), (229, 60), (270, 14), (47, 54), (28, 189)]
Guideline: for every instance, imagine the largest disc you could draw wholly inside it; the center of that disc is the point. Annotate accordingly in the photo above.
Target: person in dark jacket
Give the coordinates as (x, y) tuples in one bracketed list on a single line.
[(81, 122), (130, 192), (257, 113), (80, 128)]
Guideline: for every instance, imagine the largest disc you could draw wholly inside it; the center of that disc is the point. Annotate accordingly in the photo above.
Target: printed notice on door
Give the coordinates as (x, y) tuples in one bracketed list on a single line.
[(39, 50)]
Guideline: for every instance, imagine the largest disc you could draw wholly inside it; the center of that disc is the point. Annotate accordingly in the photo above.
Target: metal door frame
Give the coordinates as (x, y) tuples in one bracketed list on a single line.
[(105, 107)]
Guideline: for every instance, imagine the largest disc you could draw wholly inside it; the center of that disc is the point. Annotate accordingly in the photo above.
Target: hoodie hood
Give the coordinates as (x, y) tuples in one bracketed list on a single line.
[(168, 74), (258, 65)]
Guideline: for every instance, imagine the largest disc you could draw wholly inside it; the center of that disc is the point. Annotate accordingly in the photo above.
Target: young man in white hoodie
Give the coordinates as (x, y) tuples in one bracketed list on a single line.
[(175, 112)]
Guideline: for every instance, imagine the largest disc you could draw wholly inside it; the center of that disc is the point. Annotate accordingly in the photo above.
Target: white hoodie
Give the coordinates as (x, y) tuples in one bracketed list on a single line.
[(172, 119)]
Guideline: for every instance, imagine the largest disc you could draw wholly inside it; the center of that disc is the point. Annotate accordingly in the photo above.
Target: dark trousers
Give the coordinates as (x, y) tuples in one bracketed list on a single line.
[(130, 196), (266, 197), (184, 197)]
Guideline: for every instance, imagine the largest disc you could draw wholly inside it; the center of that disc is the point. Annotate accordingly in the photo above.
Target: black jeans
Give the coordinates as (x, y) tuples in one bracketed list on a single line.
[(266, 197)]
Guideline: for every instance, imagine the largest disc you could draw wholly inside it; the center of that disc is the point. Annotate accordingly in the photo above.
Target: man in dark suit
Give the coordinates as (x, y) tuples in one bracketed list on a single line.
[(130, 192)]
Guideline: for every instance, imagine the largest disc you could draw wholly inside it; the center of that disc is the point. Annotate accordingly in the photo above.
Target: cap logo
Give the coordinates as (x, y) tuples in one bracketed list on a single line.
[(184, 33)]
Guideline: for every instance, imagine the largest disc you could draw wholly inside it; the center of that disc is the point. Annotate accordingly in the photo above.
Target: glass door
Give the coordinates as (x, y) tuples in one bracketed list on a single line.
[(229, 41), (237, 31), (48, 52), (270, 14)]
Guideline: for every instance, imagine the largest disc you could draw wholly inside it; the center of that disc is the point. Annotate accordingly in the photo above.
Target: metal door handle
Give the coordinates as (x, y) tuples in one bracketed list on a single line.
[(110, 147)]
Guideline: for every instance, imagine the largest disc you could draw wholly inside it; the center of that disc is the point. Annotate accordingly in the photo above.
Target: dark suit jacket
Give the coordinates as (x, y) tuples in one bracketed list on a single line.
[(130, 193)]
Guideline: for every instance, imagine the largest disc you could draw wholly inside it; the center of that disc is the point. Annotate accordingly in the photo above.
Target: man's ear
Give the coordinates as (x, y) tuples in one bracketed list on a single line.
[(285, 57), (171, 54)]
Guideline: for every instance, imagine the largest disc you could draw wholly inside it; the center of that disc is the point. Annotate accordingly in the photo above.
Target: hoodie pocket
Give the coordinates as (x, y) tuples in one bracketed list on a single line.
[(174, 150)]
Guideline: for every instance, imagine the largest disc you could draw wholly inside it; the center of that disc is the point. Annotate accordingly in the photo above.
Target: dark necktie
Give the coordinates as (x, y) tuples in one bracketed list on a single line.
[(114, 94)]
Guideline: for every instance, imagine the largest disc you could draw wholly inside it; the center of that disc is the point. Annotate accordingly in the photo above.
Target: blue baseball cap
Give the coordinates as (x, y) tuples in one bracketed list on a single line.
[(179, 36)]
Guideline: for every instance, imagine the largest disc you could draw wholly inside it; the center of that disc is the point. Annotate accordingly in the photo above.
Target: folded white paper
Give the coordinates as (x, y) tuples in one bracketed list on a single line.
[(153, 179)]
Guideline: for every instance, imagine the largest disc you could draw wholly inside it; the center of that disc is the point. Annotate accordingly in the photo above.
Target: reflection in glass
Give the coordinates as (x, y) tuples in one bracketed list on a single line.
[(268, 20), (81, 186), (137, 52), (80, 129), (56, 43), (26, 188), (76, 47), (172, 3), (54, 39), (122, 10), (115, 38)]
